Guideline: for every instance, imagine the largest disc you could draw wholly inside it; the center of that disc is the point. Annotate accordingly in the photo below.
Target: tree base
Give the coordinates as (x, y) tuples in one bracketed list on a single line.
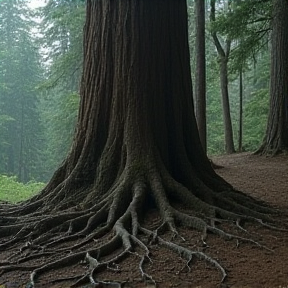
[(117, 220)]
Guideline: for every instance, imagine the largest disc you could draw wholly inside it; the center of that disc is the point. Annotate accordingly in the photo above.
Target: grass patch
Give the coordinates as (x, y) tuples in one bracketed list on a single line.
[(13, 191)]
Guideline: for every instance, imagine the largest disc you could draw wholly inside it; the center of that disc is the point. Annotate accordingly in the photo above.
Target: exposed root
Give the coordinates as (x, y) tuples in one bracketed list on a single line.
[(119, 214), (187, 253)]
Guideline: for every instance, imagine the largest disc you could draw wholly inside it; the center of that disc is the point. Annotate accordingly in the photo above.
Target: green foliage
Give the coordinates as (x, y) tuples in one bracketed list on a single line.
[(59, 115), (256, 111), (62, 28), (20, 128), (247, 24), (244, 18), (215, 126), (14, 191)]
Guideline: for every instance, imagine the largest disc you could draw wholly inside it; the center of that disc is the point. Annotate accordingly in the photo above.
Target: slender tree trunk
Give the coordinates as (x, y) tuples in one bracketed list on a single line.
[(240, 111), (200, 75), (276, 137), (223, 62), (228, 130)]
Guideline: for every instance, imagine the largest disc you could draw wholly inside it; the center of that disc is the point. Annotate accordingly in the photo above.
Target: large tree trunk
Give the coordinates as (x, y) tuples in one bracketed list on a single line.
[(276, 137), (138, 80), (136, 147)]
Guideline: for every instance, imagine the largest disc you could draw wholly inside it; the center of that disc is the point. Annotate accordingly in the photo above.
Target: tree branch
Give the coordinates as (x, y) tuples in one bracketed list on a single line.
[(217, 43)]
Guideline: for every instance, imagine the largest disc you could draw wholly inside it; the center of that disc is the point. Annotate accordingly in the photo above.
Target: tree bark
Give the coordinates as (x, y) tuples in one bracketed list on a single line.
[(276, 137)]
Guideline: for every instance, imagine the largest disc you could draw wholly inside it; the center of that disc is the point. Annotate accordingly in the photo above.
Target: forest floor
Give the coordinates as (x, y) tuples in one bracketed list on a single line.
[(247, 265)]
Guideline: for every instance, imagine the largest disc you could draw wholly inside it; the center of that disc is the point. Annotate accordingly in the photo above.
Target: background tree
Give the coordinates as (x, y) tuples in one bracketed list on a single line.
[(223, 54), (62, 33), (276, 137), (200, 73), (136, 146), (256, 106), (247, 25)]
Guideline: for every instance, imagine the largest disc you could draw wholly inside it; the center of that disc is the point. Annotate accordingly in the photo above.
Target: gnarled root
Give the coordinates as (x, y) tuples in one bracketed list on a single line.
[(116, 219)]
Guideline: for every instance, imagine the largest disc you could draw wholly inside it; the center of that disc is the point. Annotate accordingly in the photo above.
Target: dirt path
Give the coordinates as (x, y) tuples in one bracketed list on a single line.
[(247, 265)]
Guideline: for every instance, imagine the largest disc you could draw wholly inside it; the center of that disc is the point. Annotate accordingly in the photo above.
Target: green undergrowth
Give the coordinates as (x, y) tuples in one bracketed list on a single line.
[(13, 191)]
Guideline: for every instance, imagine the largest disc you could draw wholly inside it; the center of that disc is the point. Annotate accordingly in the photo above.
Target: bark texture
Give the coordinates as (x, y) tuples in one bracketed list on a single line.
[(276, 137), (136, 147)]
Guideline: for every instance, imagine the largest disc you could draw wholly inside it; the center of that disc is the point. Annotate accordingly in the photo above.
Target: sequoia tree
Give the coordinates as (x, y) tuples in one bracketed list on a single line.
[(136, 147), (276, 137)]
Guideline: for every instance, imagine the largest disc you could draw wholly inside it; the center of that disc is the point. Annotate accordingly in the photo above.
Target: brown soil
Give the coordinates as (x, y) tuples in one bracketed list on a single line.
[(246, 264)]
